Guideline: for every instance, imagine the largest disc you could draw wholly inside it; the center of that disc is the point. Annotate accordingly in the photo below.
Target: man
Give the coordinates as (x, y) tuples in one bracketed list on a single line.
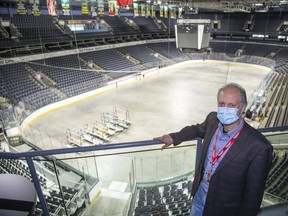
[(234, 162)]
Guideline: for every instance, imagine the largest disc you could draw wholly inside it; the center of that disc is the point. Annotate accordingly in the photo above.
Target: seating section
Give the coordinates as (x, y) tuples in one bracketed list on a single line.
[(232, 22), (18, 167), (259, 49), (17, 85), (110, 60), (39, 29), (170, 24), (277, 180), (275, 110), (74, 200), (73, 76), (146, 25), (75, 17), (118, 26), (168, 50), (73, 196), (281, 58), (168, 199), (74, 81), (284, 195), (270, 22), (139, 52), (36, 30), (228, 48), (174, 198)]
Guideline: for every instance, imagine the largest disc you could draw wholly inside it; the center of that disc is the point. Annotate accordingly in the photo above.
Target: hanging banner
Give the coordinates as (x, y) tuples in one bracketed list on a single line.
[(21, 9), (161, 10), (101, 7), (65, 7), (51, 5), (116, 8), (148, 12), (152, 11), (180, 10), (111, 8), (173, 13), (143, 10), (166, 11), (84, 7), (93, 8), (124, 2), (136, 9), (35, 7)]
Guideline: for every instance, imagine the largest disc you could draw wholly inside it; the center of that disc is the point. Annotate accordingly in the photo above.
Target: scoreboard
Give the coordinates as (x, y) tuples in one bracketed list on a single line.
[(192, 33)]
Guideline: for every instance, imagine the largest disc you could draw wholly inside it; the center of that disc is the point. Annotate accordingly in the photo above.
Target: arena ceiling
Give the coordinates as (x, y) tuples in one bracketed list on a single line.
[(218, 5), (202, 2)]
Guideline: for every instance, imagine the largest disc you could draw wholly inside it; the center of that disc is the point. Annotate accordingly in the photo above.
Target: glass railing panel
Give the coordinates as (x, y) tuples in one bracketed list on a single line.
[(276, 191), (277, 138), (77, 177), (78, 180), (154, 167)]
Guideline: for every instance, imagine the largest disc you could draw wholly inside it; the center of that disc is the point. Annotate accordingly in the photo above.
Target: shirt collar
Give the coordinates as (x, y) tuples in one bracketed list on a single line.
[(232, 132)]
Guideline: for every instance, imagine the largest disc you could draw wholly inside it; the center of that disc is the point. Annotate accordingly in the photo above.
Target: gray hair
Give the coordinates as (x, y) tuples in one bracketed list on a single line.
[(237, 86)]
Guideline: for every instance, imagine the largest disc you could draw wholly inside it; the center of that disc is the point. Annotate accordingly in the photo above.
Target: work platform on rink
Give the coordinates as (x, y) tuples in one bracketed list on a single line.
[(102, 131)]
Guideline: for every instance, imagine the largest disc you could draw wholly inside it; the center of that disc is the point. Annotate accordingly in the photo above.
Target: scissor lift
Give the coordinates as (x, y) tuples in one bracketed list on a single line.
[(100, 132), (92, 140), (75, 139), (95, 132), (122, 117), (111, 122), (104, 128)]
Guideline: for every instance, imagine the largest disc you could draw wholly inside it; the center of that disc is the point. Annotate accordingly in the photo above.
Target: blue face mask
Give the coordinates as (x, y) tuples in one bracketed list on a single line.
[(227, 116)]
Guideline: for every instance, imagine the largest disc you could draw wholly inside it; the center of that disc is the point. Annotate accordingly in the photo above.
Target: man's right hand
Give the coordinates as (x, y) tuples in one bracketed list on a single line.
[(166, 139)]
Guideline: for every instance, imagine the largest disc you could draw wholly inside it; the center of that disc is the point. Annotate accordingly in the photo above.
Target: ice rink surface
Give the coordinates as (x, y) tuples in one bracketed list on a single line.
[(166, 102)]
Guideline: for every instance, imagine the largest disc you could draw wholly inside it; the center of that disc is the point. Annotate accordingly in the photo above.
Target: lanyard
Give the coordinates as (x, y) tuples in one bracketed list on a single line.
[(215, 157)]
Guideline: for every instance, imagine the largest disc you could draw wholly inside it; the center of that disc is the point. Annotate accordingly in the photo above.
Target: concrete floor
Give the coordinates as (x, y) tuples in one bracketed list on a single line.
[(164, 103)]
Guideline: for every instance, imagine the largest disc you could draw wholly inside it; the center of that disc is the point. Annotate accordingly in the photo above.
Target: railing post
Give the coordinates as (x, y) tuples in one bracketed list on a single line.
[(60, 188), (198, 151), (37, 185)]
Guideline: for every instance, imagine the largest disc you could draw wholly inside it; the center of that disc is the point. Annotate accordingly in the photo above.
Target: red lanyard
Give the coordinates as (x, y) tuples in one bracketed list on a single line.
[(215, 157)]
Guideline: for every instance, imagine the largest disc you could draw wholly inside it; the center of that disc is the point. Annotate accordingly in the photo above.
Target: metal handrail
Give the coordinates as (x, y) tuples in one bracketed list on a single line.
[(105, 147), (79, 149)]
